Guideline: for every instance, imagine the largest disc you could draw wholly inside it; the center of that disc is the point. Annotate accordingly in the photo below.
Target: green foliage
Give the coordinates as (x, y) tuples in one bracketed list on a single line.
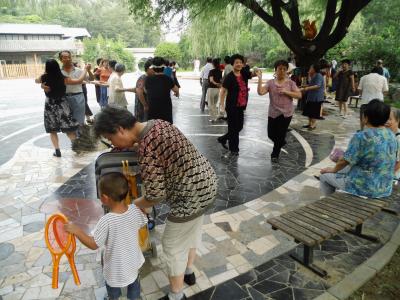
[(170, 51), (110, 18), (107, 48), (373, 35), (228, 32)]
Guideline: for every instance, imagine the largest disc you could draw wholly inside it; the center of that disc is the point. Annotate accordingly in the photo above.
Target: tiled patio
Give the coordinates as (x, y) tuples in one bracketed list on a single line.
[(241, 256)]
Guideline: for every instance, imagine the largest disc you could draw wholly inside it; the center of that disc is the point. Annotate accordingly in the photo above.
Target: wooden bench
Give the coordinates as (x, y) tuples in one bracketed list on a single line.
[(325, 218), (357, 98)]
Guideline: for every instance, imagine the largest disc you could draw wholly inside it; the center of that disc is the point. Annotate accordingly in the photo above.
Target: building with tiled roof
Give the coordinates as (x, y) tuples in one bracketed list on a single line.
[(35, 43)]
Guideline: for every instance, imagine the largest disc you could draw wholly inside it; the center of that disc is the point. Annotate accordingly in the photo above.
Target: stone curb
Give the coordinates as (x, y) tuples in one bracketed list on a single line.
[(364, 272)]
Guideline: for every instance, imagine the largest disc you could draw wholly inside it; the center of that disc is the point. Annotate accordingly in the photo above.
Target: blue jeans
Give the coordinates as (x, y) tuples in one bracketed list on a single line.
[(103, 96), (133, 291), (77, 104)]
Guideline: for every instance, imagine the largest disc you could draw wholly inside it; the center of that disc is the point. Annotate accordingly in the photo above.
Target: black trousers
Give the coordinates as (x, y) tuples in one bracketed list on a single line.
[(277, 129), (235, 125), (88, 112), (97, 89)]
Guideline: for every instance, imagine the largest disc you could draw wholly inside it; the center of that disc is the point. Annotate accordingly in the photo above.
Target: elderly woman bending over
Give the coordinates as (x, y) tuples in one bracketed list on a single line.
[(367, 168)]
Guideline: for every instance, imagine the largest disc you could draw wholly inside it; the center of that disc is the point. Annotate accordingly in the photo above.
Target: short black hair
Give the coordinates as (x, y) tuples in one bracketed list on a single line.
[(98, 61), (110, 118), (235, 57), (377, 112), (147, 64), (114, 185), (112, 64), (216, 62), (172, 63), (119, 68), (317, 67), (281, 62), (158, 61), (61, 52), (227, 59), (346, 61), (323, 63), (209, 59), (378, 70)]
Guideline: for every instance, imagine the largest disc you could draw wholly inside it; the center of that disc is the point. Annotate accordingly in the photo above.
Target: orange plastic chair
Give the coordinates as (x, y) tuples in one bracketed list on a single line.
[(60, 242)]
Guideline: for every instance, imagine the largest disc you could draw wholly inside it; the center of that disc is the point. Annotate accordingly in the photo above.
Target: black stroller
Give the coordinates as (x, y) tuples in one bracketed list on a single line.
[(126, 162)]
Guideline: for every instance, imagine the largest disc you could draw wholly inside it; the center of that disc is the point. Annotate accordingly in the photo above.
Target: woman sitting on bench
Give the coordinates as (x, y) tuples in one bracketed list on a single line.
[(371, 153)]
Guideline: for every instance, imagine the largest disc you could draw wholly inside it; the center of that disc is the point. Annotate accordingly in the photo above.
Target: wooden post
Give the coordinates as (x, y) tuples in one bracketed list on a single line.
[(35, 59)]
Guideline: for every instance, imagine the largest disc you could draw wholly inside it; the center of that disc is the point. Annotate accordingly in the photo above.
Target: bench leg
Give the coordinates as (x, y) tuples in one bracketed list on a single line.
[(390, 211), (358, 232), (307, 261)]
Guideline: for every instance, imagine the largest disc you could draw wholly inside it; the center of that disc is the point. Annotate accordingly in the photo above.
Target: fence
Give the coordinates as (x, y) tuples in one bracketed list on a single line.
[(20, 71)]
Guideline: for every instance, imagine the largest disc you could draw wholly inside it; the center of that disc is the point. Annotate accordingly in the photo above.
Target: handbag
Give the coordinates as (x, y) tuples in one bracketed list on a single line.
[(336, 154)]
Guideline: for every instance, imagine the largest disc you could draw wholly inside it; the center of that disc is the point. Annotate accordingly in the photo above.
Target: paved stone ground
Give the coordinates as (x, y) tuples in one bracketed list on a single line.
[(240, 258)]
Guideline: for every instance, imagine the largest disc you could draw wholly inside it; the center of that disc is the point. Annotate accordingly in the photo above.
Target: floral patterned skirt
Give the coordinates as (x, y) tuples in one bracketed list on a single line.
[(58, 116)]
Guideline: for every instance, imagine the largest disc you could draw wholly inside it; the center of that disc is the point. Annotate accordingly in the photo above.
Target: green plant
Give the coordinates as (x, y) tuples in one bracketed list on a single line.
[(170, 51), (107, 48)]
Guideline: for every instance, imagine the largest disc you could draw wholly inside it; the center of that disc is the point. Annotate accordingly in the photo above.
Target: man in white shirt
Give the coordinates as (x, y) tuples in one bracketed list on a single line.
[(372, 86), (74, 93), (204, 82)]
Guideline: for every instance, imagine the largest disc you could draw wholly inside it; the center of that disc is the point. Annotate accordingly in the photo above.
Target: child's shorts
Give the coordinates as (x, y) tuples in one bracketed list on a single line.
[(133, 291), (177, 240)]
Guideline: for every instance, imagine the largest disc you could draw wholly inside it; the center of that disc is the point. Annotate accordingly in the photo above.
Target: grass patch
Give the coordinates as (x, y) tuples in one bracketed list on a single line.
[(385, 285)]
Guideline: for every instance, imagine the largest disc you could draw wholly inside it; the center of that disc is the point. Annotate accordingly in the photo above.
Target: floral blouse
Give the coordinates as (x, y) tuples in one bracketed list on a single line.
[(372, 155)]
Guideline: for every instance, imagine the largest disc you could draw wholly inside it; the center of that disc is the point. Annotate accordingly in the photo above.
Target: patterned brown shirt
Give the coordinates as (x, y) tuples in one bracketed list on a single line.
[(172, 169)]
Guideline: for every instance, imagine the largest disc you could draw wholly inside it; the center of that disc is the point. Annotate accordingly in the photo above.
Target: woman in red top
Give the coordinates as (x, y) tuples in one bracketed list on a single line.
[(235, 88), (104, 73)]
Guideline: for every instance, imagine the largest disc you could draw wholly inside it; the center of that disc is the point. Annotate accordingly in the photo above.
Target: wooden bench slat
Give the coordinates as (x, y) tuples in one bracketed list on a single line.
[(344, 215), (299, 236), (393, 197), (360, 205), (374, 202), (333, 214), (317, 223), (349, 209), (380, 205), (308, 225), (326, 217), (316, 237), (355, 208)]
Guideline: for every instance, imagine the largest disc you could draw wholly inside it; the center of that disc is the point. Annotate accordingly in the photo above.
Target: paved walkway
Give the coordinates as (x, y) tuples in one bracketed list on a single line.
[(240, 258)]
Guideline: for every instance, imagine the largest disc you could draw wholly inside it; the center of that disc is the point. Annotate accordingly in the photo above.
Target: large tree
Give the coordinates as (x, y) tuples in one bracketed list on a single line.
[(282, 15)]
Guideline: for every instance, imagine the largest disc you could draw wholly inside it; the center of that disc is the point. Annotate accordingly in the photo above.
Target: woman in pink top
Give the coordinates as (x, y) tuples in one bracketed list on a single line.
[(281, 91)]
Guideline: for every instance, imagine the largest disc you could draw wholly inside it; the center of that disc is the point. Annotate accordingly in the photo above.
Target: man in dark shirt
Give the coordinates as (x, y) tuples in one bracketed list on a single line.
[(158, 89)]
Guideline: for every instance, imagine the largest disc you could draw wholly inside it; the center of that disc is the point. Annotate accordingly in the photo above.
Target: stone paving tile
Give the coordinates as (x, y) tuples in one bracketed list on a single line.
[(240, 252)]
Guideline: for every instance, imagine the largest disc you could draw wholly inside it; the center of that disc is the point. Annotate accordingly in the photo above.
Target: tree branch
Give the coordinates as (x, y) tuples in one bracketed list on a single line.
[(329, 20), (347, 13), (292, 9), (259, 11), (276, 21)]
